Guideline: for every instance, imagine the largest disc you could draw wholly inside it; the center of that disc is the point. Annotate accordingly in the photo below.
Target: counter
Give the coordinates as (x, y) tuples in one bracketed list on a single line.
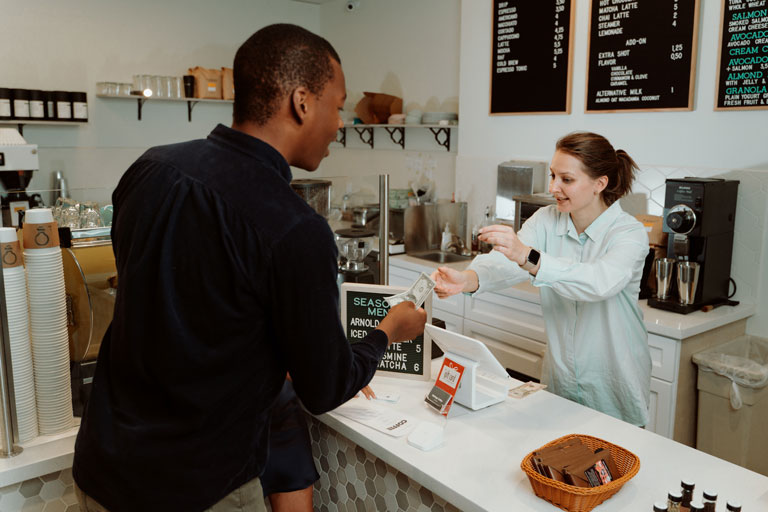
[(478, 467), (657, 321)]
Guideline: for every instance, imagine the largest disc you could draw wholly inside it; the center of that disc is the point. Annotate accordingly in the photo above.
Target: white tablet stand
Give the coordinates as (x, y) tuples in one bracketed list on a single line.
[(485, 381), (477, 389)]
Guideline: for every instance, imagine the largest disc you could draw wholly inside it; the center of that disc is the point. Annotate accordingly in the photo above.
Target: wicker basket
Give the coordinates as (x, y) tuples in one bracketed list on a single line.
[(581, 499)]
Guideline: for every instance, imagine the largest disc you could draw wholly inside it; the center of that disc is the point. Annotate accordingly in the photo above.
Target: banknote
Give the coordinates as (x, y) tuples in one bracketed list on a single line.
[(417, 293), (523, 390)]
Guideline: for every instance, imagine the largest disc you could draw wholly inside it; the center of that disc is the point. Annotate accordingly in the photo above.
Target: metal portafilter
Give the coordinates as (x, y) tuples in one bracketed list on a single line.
[(664, 269), (687, 280)]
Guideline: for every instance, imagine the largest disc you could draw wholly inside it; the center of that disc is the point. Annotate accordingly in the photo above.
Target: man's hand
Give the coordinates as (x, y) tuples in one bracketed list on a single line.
[(404, 322)]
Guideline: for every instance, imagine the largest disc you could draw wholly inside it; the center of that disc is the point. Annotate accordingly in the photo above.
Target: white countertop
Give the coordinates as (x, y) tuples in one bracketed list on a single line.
[(478, 467), (42, 455), (657, 321)]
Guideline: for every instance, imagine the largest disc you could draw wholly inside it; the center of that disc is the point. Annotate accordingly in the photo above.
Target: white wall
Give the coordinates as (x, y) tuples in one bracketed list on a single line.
[(407, 48), (72, 45), (665, 144)]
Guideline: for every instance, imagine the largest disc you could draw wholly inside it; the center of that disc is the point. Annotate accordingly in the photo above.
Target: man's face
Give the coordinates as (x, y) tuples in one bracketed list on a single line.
[(323, 120)]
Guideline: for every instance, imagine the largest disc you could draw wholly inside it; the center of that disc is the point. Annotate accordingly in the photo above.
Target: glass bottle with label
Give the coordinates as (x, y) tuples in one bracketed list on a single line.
[(696, 506), (674, 498), (710, 500), (485, 247), (687, 490)]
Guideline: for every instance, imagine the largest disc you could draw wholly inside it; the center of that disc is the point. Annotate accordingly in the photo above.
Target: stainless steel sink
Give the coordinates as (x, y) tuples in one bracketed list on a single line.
[(441, 257)]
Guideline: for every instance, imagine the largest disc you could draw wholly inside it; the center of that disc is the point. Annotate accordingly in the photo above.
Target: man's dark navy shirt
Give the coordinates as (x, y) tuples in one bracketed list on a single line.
[(227, 280)]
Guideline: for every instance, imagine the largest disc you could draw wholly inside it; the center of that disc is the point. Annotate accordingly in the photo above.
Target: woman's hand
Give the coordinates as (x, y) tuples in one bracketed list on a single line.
[(504, 240), (449, 282)]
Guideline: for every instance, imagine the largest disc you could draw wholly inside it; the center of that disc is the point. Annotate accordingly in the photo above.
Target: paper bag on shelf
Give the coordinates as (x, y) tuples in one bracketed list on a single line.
[(207, 82), (227, 84)]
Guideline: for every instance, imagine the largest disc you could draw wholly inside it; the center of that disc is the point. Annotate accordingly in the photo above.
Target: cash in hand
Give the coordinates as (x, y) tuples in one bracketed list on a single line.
[(417, 293)]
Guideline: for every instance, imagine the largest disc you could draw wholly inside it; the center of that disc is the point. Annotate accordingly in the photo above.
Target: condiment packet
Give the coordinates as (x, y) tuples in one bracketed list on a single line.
[(523, 390)]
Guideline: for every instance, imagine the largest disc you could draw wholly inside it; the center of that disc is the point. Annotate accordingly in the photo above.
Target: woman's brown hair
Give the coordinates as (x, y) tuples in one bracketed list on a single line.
[(598, 158)]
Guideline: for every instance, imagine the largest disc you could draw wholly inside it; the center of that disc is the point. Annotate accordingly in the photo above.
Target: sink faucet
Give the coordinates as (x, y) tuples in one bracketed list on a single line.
[(456, 245)]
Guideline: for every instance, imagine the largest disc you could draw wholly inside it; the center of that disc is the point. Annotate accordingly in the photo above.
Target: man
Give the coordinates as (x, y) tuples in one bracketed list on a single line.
[(227, 282)]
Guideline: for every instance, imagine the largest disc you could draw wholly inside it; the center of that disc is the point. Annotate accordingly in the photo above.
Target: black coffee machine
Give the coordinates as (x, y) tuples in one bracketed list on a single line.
[(16, 199), (699, 216)]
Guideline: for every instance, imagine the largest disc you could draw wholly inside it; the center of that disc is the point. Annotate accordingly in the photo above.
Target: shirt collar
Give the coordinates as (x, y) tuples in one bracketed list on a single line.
[(595, 231), (253, 147)]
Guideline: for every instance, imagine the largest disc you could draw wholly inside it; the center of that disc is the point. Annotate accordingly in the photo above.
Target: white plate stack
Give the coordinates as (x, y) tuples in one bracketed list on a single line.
[(18, 333), (48, 321)]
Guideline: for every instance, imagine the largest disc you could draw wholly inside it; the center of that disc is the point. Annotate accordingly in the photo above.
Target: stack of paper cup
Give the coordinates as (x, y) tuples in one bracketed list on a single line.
[(48, 321), (18, 333)]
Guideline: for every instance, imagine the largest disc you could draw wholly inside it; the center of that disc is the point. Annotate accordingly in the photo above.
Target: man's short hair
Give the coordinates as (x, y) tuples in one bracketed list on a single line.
[(272, 63)]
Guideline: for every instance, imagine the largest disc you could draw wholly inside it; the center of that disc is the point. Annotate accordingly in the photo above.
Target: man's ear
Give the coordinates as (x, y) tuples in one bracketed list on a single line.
[(299, 105)]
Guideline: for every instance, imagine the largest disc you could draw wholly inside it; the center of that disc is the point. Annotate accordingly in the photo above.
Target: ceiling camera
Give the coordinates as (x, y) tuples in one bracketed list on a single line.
[(352, 5)]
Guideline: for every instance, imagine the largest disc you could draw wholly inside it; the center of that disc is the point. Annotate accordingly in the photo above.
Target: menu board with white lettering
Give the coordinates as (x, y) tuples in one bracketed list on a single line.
[(742, 83), (641, 55), (362, 309), (531, 56)]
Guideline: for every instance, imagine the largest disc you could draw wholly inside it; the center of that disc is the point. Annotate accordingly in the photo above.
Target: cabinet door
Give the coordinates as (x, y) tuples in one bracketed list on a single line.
[(660, 412), (404, 277), (453, 323), (507, 313), (516, 352), (664, 357)]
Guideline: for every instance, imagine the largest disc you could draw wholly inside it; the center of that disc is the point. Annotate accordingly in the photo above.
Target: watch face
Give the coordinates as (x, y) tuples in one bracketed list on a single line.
[(533, 257)]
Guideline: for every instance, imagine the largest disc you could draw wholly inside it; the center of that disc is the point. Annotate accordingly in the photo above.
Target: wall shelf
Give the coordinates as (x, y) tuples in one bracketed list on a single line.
[(191, 102), (19, 123), (441, 132)]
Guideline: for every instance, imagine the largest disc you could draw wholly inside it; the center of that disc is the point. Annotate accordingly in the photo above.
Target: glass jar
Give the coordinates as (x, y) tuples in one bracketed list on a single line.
[(5, 103), (79, 106), (62, 105), (20, 103), (37, 105)]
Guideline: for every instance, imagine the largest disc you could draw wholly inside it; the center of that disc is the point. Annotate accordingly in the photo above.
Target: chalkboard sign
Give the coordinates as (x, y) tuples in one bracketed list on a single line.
[(363, 307), (641, 55), (531, 56), (742, 83)]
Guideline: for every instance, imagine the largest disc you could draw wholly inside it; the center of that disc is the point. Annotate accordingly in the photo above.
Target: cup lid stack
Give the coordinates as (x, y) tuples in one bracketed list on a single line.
[(48, 321), (18, 334)]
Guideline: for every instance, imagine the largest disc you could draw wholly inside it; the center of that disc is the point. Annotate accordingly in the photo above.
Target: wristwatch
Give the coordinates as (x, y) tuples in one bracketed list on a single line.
[(533, 257)]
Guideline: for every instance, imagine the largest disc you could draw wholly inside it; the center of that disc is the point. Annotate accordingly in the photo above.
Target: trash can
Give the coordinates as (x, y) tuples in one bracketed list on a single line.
[(733, 402)]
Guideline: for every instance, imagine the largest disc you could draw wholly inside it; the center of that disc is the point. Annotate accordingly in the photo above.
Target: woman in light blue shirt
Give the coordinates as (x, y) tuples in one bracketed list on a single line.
[(586, 256)]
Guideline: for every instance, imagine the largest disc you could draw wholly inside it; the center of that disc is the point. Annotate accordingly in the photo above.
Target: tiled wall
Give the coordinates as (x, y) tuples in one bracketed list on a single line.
[(353, 480), (54, 492)]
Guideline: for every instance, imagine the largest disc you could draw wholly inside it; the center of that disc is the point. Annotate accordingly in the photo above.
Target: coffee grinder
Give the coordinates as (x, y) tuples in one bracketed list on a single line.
[(355, 263), (699, 216), (18, 162)]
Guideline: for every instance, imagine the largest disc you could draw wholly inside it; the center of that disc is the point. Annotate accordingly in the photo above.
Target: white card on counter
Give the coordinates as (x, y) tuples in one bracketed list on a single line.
[(383, 419), (392, 398)]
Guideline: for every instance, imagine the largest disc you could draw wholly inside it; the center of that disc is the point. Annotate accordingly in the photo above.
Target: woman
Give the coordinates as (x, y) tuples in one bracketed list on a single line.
[(586, 256)]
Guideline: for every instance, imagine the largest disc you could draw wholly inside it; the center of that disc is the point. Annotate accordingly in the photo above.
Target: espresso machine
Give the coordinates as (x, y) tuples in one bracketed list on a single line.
[(699, 216), (18, 162)]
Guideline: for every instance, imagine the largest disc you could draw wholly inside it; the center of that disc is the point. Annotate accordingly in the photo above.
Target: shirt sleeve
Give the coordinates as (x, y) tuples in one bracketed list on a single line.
[(326, 370), (599, 279)]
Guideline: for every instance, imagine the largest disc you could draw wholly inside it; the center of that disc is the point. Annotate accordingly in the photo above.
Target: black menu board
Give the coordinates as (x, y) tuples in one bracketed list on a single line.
[(742, 83), (641, 55), (363, 307), (531, 56)]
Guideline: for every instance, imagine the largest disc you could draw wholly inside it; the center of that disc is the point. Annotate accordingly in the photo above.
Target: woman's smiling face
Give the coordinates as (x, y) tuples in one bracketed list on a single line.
[(573, 188)]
